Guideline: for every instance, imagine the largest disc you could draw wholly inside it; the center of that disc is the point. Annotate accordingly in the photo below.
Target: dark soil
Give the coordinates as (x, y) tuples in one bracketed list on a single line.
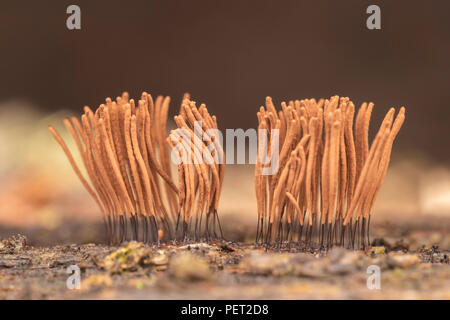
[(413, 263)]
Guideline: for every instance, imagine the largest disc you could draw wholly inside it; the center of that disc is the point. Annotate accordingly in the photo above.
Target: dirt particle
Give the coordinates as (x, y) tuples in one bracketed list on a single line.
[(189, 267)]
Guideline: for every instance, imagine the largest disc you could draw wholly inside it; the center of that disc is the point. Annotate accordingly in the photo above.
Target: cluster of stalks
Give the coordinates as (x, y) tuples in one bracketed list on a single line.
[(125, 154), (200, 157), (324, 191)]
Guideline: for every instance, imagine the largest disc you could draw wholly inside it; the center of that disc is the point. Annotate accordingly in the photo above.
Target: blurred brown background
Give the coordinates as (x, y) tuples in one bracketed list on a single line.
[(230, 55)]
